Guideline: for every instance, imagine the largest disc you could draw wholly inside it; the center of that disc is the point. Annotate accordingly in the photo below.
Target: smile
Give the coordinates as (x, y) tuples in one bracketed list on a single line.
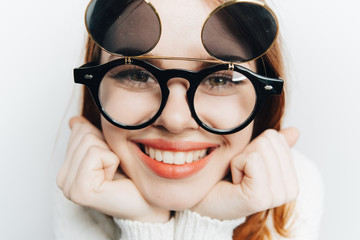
[(175, 157), (174, 160)]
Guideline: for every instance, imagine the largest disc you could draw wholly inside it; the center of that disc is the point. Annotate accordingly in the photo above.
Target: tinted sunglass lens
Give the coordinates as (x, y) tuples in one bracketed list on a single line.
[(240, 31), (128, 28)]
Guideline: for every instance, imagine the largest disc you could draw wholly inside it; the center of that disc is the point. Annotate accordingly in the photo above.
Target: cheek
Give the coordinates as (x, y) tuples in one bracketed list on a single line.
[(237, 142), (116, 138)]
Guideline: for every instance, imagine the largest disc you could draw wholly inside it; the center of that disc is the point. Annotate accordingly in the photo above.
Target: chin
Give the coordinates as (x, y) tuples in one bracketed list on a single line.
[(176, 203), (176, 194)]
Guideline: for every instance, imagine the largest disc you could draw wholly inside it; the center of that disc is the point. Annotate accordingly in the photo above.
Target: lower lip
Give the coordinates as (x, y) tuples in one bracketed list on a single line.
[(173, 171)]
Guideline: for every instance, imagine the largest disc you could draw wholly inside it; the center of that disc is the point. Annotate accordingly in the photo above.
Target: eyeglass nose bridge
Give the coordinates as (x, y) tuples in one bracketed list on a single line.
[(191, 78)]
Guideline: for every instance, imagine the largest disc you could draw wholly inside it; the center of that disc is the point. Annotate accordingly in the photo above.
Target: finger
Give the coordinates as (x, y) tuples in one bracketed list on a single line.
[(276, 164), (236, 174), (251, 166), (95, 167), (109, 194), (98, 162), (287, 173), (80, 154), (253, 193), (288, 170), (77, 119), (122, 199), (81, 122), (265, 145), (291, 135), (80, 128)]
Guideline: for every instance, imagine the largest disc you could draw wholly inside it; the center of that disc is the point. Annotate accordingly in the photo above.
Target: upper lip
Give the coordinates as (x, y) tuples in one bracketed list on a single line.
[(175, 146)]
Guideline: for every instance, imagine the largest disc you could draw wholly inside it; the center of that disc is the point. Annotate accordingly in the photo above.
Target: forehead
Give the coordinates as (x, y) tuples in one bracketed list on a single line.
[(182, 22)]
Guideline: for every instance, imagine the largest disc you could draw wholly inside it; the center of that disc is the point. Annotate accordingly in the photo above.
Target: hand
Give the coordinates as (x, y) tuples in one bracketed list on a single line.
[(263, 177), (89, 177)]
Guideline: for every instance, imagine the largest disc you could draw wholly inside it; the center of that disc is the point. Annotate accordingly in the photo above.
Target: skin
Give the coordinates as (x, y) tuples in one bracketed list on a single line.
[(263, 174)]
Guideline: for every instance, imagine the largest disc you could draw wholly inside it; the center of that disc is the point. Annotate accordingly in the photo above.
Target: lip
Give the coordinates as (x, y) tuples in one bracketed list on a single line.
[(173, 171)]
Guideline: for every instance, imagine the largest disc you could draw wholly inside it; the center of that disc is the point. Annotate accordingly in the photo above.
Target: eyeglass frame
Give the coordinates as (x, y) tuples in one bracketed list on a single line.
[(220, 7), (91, 75)]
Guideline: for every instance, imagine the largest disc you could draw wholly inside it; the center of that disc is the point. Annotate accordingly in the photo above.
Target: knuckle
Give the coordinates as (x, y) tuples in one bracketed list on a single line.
[(74, 125), (262, 143), (89, 138), (74, 196), (66, 192), (115, 159), (94, 150), (256, 160), (84, 127), (79, 195), (271, 133), (59, 181), (88, 128), (255, 156)]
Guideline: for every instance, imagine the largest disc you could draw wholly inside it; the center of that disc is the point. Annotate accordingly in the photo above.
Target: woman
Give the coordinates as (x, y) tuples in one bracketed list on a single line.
[(180, 135)]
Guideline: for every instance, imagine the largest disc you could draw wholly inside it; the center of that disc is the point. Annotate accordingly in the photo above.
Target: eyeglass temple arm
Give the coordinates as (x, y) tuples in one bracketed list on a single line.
[(271, 86), (83, 75)]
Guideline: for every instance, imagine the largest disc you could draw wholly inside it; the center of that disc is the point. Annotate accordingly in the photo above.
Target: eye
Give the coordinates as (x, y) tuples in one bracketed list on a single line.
[(217, 81), (131, 77), (220, 80), (138, 76), (222, 83)]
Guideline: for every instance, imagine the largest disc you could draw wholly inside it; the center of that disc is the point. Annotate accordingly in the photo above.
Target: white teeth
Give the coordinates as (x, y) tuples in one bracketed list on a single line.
[(196, 155), (168, 157), (179, 158), (202, 153), (158, 156), (189, 157), (151, 152), (175, 157)]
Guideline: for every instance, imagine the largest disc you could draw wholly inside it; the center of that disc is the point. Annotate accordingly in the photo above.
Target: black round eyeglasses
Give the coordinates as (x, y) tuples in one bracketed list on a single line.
[(131, 93)]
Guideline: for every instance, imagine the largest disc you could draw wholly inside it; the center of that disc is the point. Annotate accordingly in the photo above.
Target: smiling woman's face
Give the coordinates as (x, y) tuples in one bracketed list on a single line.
[(190, 160)]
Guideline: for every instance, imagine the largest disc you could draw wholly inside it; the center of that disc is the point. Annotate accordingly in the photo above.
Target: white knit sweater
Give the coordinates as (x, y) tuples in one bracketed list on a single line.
[(79, 223)]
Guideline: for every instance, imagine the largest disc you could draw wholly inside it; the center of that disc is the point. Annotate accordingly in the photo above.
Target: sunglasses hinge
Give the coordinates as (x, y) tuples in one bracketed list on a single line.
[(231, 66), (128, 60)]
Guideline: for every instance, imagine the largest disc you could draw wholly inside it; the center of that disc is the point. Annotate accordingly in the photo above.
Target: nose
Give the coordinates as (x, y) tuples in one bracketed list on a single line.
[(176, 116)]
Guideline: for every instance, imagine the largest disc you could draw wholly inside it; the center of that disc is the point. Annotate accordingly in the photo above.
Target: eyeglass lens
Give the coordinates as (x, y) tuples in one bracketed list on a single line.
[(241, 31), (131, 95), (129, 28)]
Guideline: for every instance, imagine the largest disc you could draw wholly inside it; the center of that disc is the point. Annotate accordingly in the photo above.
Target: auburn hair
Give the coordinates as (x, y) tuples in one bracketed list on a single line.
[(270, 116)]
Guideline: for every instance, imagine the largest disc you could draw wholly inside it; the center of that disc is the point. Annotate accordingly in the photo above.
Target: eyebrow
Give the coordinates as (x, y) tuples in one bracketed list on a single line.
[(200, 64)]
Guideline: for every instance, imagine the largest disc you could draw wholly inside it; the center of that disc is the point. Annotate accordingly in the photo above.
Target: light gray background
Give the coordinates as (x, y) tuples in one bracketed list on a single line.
[(40, 44)]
